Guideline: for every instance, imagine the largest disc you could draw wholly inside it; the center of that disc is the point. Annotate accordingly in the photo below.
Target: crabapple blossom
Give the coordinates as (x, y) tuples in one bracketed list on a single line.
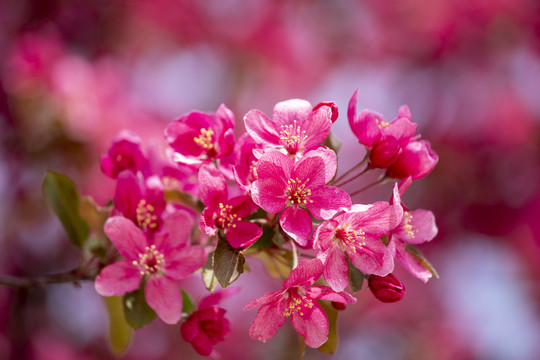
[(297, 190), (207, 325), (160, 263), (198, 138), (387, 288), (224, 214), (357, 233), (124, 154), (297, 300), (416, 160), (296, 127)]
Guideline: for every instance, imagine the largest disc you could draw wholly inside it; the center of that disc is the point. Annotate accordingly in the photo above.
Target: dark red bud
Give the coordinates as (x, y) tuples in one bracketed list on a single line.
[(386, 288), (332, 105), (338, 306)]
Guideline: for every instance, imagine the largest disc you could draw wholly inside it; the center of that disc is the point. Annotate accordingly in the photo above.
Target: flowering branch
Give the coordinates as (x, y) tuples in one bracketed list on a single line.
[(74, 276)]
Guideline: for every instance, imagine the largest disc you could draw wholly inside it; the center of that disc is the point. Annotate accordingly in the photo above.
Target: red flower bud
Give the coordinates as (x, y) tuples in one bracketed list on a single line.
[(332, 105), (386, 288), (338, 306)]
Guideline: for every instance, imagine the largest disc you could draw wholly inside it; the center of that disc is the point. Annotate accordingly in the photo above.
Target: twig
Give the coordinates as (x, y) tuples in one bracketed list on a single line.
[(74, 276)]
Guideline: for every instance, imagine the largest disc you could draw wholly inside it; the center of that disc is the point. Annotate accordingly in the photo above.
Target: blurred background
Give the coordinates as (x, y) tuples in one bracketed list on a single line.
[(73, 73)]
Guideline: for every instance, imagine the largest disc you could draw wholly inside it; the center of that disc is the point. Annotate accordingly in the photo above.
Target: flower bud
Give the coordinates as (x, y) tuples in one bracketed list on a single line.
[(416, 160), (205, 328), (386, 288), (332, 105)]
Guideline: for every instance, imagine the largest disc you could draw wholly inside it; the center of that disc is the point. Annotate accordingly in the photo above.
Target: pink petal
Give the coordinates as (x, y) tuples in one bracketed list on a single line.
[(269, 194), (267, 298), (126, 237), (164, 296), (269, 318), (127, 194), (190, 328), (118, 278), (324, 235), (244, 234), (410, 263), (175, 230), (327, 202), (183, 262), (378, 219), (402, 129), (305, 274), (311, 171), (296, 222), (329, 159), (325, 293), (202, 344), (317, 127), (276, 165), (226, 116), (374, 257), (212, 187), (217, 297), (286, 112), (422, 227), (335, 269), (207, 223), (313, 325), (261, 128)]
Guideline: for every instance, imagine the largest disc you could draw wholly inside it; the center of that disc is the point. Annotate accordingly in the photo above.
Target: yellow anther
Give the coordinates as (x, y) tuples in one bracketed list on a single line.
[(204, 140)]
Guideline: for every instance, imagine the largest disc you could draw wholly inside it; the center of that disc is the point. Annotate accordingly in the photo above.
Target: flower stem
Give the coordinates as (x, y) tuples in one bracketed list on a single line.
[(342, 176), (381, 180), (294, 254), (366, 169)]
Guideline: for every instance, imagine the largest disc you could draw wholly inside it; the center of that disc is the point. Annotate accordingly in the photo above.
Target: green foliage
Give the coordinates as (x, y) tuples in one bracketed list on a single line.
[(62, 197), (187, 303), (119, 331), (228, 262), (208, 276), (137, 311), (413, 250), (356, 277), (330, 346)]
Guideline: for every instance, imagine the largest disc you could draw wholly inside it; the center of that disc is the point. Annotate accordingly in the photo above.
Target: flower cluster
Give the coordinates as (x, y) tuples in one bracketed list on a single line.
[(271, 194)]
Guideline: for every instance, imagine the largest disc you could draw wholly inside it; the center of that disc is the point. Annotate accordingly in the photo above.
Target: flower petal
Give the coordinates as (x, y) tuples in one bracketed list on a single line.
[(373, 257), (269, 194), (335, 269), (175, 230), (296, 222), (261, 128), (117, 279), (325, 293), (326, 202), (313, 325), (212, 187), (305, 274), (244, 234), (181, 263), (126, 237), (269, 318), (417, 227), (288, 111), (164, 296), (410, 263)]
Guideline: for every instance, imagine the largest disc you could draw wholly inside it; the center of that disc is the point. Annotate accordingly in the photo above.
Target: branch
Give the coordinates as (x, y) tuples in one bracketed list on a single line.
[(73, 276)]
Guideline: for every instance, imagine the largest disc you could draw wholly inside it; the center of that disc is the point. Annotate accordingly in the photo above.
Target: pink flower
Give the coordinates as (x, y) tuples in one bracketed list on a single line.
[(161, 263), (297, 300), (224, 214), (295, 126), (416, 160), (245, 163), (198, 138), (139, 200), (387, 288), (298, 189), (124, 154), (384, 141), (416, 227), (207, 326), (357, 233)]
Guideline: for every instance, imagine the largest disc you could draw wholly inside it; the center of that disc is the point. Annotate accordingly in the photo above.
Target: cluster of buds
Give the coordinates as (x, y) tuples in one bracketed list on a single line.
[(271, 194)]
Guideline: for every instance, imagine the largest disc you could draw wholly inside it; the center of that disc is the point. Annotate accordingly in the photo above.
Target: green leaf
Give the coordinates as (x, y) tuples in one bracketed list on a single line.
[(119, 331), (415, 252), (333, 143), (187, 303), (62, 197), (228, 262), (94, 215), (356, 277), (208, 276), (185, 199), (330, 346), (137, 311)]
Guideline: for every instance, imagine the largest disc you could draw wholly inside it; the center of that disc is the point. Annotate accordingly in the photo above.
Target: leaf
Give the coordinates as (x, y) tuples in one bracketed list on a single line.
[(333, 143), (415, 252), (356, 277), (228, 262), (62, 197), (119, 331), (183, 198), (137, 311), (187, 303), (94, 215), (330, 346), (266, 239), (208, 276)]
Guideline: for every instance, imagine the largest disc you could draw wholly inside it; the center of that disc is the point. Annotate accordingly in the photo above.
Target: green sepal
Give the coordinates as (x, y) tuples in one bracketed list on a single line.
[(120, 332), (228, 262), (331, 345), (136, 310), (187, 303)]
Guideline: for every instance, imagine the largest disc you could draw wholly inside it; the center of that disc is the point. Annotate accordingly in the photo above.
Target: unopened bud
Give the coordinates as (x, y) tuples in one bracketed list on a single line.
[(386, 288), (332, 105), (338, 306)]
